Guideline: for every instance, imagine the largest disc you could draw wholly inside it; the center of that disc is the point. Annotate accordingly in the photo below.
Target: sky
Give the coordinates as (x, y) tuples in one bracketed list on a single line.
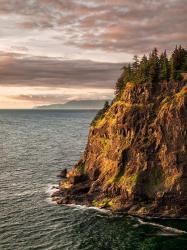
[(53, 51)]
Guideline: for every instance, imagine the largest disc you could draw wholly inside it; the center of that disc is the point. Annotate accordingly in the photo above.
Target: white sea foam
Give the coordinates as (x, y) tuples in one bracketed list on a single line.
[(165, 228), (51, 189), (50, 201), (83, 207)]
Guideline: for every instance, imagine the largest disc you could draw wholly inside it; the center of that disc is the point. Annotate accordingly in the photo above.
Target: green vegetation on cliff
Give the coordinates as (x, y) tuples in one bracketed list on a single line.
[(154, 69), (135, 158), (100, 113)]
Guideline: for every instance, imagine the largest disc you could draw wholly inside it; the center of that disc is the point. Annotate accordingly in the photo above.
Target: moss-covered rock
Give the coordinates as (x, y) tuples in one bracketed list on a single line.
[(135, 158)]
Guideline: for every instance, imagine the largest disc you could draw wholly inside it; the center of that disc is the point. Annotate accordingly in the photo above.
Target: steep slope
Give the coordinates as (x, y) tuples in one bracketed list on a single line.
[(135, 159)]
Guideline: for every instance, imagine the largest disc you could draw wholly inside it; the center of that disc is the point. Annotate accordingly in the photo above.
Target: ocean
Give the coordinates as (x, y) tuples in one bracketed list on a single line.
[(34, 146)]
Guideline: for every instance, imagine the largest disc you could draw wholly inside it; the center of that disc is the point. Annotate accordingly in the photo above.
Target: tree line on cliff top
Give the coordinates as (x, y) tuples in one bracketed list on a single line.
[(152, 69)]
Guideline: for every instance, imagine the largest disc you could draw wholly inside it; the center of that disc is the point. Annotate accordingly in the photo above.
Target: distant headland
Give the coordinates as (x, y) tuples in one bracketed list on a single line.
[(75, 104)]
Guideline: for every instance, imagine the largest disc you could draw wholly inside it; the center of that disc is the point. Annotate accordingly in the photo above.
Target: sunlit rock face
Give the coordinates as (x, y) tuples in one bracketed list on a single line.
[(136, 155)]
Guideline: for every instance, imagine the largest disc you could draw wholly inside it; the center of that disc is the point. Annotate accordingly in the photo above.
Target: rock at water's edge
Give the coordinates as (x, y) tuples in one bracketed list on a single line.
[(136, 156)]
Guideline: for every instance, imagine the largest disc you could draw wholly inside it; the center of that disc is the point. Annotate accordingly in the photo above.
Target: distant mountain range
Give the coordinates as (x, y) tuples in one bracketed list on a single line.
[(76, 104)]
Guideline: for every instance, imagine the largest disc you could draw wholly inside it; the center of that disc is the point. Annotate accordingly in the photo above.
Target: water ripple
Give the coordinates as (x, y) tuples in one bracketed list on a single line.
[(35, 146)]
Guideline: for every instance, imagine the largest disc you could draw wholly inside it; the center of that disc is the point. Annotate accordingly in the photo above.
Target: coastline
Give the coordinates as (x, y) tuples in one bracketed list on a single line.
[(142, 220), (60, 197)]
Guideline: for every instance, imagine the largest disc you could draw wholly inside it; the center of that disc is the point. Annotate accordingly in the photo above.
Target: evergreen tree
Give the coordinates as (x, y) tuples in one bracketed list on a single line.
[(106, 106), (128, 74), (164, 67), (135, 63), (143, 70), (154, 69), (178, 62), (100, 113), (119, 86), (154, 66), (135, 69)]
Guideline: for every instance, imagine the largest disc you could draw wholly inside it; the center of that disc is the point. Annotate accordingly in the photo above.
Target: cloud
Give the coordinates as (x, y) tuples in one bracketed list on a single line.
[(62, 98), (19, 48), (42, 98), (135, 27), (40, 35), (24, 70), (118, 26)]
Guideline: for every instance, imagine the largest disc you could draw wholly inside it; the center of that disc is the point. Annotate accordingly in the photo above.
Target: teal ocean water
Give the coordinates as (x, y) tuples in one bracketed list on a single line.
[(34, 146)]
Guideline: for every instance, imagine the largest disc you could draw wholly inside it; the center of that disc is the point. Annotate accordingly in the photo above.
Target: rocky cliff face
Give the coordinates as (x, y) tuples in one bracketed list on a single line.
[(135, 159)]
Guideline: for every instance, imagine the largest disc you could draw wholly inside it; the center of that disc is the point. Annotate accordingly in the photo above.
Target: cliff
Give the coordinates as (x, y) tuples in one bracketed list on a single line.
[(135, 159)]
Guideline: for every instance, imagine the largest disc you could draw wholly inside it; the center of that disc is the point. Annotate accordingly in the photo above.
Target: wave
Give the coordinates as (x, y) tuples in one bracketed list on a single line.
[(50, 201), (171, 230), (165, 228), (84, 207), (51, 188)]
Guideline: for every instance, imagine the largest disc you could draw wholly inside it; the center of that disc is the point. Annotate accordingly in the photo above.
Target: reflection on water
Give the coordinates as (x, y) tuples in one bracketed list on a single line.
[(34, 146)]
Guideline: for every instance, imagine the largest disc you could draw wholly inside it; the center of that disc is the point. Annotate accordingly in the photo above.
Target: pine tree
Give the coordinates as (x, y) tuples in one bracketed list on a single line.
[(135, 63), (178, 62), (106, 106), (164, 67), (100, 113), (119, 86), (143, 70), (128, 74), (154, 66), (154, 69)]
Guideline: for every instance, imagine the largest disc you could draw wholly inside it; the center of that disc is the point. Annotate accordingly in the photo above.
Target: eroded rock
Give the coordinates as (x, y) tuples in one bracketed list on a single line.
[(136, 156), (63, 173)]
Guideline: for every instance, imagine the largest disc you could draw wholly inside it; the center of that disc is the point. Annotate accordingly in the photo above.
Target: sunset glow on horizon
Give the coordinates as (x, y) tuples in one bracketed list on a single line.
[(53, 51)]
